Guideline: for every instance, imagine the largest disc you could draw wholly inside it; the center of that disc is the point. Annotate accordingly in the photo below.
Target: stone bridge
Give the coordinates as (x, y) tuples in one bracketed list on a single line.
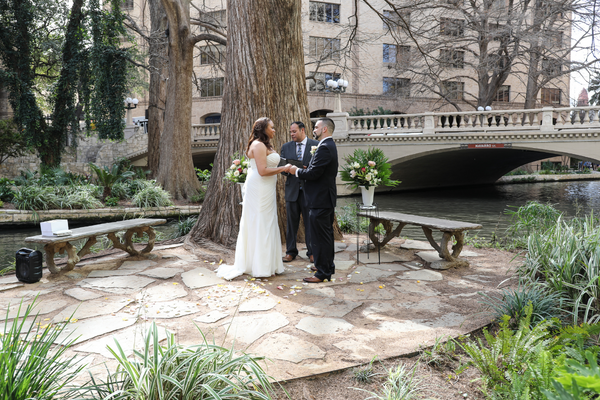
[(452, 148)]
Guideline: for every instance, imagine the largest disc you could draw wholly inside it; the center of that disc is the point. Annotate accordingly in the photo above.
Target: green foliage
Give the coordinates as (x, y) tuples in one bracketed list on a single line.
[(108, 62), (514, 363), (518, 171), (514, 302), (12, 143), (32, 366), (111, 201), (530, 218), (566, 260), (367, 168), (576, 379), (184, 226), (6, 192), (152, 196), (203, 175), (173, 371), (137, 185), (365, 374), (33, 197), (108, 177), (121, 190), (400, 384), (347, 221), (441, 354)]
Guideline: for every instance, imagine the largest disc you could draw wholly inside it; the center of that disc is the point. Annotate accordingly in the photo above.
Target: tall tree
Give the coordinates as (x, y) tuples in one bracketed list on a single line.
[(176, 171), (264, 77)]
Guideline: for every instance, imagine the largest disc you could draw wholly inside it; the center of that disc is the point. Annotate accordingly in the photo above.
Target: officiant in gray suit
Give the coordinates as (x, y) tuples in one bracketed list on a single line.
[(295, 203)]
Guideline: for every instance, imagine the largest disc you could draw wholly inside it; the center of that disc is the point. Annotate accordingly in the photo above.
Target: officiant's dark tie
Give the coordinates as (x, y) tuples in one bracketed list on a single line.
[(299, 151)]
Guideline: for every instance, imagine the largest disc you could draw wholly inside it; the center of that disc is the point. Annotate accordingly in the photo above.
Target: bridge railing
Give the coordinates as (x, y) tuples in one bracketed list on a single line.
[(544, 119)]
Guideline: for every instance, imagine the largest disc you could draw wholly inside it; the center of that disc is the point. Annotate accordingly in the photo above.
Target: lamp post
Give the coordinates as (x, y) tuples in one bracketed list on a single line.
[(338, 87), (130, 104)]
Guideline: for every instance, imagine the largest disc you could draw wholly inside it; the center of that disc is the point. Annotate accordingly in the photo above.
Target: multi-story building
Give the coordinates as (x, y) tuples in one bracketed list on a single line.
[(382, 64)]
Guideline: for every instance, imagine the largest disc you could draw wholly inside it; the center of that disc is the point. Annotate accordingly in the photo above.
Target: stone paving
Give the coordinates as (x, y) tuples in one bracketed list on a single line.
[(367, 310)]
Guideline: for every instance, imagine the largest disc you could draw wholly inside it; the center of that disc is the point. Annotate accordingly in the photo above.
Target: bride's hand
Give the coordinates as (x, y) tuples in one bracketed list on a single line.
[(287, 167)]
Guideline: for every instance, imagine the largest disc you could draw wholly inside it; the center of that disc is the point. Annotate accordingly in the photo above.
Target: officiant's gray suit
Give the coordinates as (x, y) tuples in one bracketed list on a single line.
[(295, 202)]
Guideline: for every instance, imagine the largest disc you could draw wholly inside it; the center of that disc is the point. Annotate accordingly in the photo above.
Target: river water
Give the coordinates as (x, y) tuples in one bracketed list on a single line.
[(485, 205)]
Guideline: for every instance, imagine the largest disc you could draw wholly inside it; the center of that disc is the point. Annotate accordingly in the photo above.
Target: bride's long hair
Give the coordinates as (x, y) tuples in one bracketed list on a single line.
[(258, 133)]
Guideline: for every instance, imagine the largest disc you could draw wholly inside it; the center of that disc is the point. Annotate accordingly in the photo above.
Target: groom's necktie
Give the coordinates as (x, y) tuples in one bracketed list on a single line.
[(299, 151)]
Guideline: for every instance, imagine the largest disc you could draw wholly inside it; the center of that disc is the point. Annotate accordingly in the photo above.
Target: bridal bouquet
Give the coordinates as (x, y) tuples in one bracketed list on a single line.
[(367, 168), (238, 171)]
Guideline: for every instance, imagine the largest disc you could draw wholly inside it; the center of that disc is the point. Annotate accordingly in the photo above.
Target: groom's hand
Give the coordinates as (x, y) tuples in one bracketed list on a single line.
[(293, 170)]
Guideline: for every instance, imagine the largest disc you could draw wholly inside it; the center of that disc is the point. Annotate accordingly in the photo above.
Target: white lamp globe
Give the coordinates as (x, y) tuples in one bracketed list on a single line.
[(134, 101), (330, 83), (128, 100), (344, 83), (488, 108), (480, 108), (335, 85)]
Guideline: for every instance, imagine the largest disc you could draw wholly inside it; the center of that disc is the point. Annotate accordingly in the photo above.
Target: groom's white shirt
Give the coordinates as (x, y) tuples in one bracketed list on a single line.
[(328, 137)]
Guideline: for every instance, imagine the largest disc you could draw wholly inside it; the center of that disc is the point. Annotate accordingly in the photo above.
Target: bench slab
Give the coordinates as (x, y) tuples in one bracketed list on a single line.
[(60, 244), (448, 228)]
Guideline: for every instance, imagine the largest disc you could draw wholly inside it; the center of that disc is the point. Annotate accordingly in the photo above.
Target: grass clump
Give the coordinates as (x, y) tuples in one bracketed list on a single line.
[(364, 374), (172, 371), (33, 367), (400, 384), (152, 196), (184, 227), (530, 218), (441, 354)]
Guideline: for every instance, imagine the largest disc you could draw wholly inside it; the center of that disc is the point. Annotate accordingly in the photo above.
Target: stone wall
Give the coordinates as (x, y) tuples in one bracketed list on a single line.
[(20, 217), (89, 149)]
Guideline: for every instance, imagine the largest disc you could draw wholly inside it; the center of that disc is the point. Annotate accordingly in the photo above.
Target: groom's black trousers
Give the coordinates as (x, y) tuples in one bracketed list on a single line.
[(321, 238)]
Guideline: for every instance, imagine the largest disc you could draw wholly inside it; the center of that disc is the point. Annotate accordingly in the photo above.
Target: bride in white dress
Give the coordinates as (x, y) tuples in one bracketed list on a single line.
[(258, 249)]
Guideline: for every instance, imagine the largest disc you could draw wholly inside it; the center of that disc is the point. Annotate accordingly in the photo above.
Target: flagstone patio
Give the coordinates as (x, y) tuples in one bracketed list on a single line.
[(367, 310)]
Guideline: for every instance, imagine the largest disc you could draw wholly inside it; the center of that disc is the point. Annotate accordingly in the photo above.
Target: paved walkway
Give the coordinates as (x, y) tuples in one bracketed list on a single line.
[(368, 310)]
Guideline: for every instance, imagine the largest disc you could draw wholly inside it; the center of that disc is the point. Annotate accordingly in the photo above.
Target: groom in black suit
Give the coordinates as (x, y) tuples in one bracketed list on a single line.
[(321, 195), (295, 202)]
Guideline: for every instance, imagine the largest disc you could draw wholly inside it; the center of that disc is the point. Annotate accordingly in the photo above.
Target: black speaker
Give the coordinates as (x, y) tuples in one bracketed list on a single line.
[(29, 265)]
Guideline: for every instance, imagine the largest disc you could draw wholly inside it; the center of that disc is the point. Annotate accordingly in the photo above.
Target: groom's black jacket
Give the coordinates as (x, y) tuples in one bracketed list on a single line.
[(319, 189)]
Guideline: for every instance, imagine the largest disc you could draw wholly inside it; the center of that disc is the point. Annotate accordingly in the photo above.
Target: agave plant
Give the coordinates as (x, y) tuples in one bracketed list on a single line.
[(108, 177)]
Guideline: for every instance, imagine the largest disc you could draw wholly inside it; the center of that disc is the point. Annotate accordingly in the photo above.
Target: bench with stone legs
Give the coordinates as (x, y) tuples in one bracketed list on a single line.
[(448, 228), (60, 244)]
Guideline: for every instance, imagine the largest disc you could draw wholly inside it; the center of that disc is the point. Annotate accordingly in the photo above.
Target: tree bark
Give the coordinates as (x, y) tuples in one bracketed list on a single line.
[(176, 170), (264, 77), (157, 47)]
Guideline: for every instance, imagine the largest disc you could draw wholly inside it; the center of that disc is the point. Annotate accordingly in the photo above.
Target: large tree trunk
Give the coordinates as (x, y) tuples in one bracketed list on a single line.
[(264, 77), (157, 61), (176, 171)]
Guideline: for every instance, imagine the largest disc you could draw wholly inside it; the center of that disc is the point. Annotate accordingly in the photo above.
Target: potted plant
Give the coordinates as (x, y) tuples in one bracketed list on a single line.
[(367, 170)]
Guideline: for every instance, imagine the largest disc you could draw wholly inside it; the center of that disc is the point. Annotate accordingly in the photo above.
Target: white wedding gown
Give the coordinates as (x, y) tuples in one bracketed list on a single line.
[(258, 249)]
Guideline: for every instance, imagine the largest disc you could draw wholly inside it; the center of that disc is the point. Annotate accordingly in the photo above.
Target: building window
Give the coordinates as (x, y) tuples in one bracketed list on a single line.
[(399, 87), (213, 54), (395, 20), (324, 12), (453, 90), (319, 82), (454, 2), (503, 94), (216, 18), (395, 54), (324, 48), (452, 58), (127, 5), (550, 96), (211, 87), (551, 67), (497, 31), (452, 27), (556, 39)]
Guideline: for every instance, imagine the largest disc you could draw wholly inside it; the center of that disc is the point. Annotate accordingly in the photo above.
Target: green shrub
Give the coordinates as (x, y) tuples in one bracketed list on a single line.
[(108, 177), (184, 226), (121, 190), (530, 218), (6, 192), (518, 171), (513, 302), (171, 371), (152, 196), (111, 201), (347, 221), (1, 204), (137, 185), (35, 198), (33, 367), (203, 175)]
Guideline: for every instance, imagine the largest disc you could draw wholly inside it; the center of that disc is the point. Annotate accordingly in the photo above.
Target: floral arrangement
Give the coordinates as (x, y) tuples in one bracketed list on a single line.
[(367, 168), (239, 169)]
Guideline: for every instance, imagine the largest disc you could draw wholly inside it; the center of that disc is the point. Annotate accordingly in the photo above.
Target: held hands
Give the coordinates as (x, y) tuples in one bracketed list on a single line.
[(293, 169), (286, 168)]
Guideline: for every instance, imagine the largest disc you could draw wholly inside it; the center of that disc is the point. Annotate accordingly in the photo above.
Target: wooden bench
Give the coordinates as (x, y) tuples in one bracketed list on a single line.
[(58, 244), (448, 228)]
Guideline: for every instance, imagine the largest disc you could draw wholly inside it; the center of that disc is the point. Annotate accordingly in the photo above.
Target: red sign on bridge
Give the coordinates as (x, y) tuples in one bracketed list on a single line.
[(485, 145)]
